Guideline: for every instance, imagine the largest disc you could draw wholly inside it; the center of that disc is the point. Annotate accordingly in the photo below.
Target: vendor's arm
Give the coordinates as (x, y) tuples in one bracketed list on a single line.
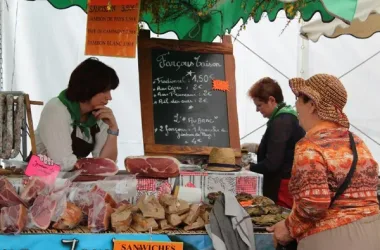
[(106, 144), (54, 130), (278, 135), (310, 186)]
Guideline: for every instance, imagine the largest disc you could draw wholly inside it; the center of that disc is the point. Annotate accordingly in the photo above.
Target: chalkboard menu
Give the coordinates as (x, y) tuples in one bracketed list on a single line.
[(186, 109), (187, 96)]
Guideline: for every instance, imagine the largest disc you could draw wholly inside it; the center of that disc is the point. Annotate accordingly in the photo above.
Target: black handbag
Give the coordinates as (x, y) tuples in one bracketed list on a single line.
[(293, 245)]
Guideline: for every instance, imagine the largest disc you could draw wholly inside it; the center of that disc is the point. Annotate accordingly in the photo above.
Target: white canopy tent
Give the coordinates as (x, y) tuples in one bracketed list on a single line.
[(366, 23), (42, 45)]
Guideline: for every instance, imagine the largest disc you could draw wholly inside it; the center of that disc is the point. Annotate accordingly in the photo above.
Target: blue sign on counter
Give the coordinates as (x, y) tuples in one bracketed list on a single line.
[(71, 241)]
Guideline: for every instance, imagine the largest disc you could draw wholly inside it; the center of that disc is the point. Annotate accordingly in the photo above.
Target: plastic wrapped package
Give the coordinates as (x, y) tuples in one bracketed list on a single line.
[(99, 214), (13, 219), (120, 188), (50, 200)]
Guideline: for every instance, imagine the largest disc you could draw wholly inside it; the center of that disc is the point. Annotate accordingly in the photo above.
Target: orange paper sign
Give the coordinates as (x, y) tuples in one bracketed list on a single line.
[(220, 85), (112, 27), (148, 245)]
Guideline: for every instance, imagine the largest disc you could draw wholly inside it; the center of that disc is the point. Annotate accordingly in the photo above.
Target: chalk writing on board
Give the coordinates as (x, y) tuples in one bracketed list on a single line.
[(186, 109)]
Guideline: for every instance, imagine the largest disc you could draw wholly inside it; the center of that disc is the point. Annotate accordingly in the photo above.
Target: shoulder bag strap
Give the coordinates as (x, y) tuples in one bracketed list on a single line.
[(347, 181)]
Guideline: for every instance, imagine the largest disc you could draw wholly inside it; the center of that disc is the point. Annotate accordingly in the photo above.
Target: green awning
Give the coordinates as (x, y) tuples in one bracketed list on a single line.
[(203, 20)]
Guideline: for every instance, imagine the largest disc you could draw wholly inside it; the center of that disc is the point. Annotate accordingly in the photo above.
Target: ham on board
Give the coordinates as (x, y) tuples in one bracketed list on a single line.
[(8, 195), (153, 166), (96, 166), (13, 219)]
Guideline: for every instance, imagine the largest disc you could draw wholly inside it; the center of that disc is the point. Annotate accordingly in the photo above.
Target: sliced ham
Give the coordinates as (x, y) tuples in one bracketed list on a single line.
[(32, 189), (42, 211), (13, 219), (96, 166), (99, 214), (99, 217), (106, 197), (8, 195), (84, 198), (153, 166), (71, 217)]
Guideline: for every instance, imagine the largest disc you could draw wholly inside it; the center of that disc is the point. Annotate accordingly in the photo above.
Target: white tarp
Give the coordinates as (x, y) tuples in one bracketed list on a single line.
[(366, 22)]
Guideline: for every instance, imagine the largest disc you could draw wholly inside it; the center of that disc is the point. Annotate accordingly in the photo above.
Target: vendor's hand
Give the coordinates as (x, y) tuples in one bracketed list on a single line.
[(281, 233), (250, 147), (104, 113), (46, 159)]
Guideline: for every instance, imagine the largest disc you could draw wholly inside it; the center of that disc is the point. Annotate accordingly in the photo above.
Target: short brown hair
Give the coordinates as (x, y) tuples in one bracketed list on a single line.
[(264, 88), (89, 78)]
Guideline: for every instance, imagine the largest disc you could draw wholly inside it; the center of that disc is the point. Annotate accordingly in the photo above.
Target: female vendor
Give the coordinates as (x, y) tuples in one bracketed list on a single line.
[(77, 122), (276, 151)]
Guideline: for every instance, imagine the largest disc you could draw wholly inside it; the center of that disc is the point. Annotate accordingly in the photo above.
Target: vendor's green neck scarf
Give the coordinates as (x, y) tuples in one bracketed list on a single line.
[(74, 110), (282, 108)]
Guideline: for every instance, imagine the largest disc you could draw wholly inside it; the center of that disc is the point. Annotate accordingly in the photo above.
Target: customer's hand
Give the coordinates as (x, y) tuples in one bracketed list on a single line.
[(250, 147), (281, 233)]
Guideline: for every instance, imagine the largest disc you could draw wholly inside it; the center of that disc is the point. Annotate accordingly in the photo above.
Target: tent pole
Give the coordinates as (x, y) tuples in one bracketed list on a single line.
[(302, 56)]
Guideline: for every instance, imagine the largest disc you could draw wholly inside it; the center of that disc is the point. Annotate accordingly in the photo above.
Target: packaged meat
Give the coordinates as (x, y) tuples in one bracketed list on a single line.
[(50, 203), (119, 188), (13, 219), (41, 213), (153, 166), (99, 215), (107, 198), (32, 189), (71, 217), (96, 166), (8, 195), (37, 185)]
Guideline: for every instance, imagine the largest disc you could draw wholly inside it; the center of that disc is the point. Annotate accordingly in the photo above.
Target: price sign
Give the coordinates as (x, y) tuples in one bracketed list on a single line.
[(38, 168), (149, 245)]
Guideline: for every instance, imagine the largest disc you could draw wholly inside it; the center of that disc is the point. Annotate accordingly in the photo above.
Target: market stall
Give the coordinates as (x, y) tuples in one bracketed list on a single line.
[(165, 195)]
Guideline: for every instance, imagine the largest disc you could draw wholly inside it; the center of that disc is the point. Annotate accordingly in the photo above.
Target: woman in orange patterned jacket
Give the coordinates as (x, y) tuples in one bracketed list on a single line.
[(330, 210)]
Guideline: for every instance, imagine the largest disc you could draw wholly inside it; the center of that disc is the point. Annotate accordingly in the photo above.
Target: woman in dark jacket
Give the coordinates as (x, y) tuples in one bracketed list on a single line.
[(276, 150)]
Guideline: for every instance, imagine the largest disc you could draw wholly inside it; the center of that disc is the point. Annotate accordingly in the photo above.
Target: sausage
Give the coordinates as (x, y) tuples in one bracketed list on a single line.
[(18, 118), (2, 120), (7, 151)]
